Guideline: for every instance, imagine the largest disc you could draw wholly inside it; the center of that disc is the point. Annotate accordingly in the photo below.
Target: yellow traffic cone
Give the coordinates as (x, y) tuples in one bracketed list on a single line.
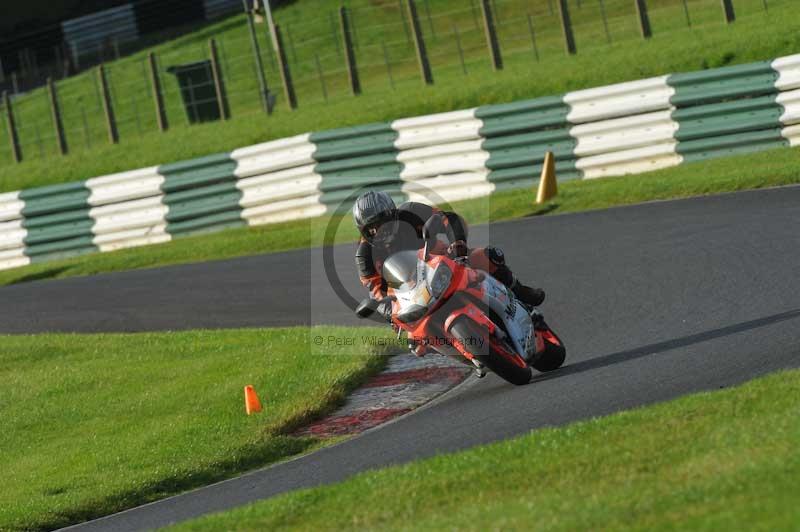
[(548, 187), (251, 402)]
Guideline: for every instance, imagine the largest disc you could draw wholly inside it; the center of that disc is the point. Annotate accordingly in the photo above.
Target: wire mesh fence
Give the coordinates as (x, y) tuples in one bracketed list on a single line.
[(383, 47)]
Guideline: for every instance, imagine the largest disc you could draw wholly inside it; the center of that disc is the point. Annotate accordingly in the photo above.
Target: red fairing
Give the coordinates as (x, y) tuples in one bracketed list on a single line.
[(474, 313)]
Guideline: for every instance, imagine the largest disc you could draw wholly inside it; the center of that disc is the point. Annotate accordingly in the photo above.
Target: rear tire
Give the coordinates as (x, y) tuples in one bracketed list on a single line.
[(553, 356), (469, 332)]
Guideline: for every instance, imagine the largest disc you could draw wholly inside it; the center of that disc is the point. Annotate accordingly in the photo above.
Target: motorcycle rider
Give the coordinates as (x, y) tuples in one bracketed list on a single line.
[(386, 229)]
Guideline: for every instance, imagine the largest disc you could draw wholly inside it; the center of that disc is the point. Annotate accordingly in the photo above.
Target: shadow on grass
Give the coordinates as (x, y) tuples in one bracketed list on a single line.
[(541, 211), (275, 447), (49, 273), (253, 456), (653, 349)]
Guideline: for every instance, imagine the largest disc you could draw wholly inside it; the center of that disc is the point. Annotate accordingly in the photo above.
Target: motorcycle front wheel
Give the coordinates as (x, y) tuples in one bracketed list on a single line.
[(470, 333), (554, 353)]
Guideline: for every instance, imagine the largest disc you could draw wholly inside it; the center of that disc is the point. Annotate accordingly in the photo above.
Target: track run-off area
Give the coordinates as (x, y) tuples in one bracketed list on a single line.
[(652, 301)]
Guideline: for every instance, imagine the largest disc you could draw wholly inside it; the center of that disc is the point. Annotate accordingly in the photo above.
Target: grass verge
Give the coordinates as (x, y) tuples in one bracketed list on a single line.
[(758, 170), (725, 460), (93, 424), (756, 35)]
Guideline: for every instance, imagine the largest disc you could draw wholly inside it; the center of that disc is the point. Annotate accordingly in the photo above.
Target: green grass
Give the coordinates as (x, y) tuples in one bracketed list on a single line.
[(96, 423), (765, 169), (756, 35), (726, 460)]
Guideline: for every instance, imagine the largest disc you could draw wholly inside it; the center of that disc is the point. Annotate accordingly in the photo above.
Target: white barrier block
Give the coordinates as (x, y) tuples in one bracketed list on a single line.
[(148, 212), (283, 211), (10, 206), (448, 188), (125, 186), (792, 134), (633, 161), (273, 156), (12, 235), (437, 129), (443, 159), (270, 197), (141, 236), (13, 259), (623, 133), (788, 69), (791, 105), (622, 99)]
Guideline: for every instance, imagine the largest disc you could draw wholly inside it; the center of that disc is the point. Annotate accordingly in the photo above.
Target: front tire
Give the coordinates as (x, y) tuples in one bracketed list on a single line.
[(554, 353), (469, 333)]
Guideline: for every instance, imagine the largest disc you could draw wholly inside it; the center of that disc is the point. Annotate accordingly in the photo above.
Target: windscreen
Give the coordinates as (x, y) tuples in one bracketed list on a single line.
[(400, 268)]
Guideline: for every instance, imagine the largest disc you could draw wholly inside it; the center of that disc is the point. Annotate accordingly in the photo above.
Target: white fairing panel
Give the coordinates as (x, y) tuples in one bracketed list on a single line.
[(515, 316)]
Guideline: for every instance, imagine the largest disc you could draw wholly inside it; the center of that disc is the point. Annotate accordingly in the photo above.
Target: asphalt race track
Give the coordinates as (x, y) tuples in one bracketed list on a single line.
[(653, 301)]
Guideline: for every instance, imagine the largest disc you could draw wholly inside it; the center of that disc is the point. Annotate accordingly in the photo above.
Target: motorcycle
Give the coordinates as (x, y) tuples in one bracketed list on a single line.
[(455, 310)]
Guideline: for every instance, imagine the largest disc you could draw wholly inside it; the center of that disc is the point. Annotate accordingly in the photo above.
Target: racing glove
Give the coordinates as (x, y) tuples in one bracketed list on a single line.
[(458, 249), (384, 310)]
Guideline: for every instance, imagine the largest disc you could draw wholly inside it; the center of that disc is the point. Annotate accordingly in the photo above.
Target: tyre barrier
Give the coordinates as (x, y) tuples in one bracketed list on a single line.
[(619, 129)]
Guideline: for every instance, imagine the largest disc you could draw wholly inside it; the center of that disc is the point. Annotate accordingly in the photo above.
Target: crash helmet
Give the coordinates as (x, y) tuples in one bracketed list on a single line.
[(375, 215)]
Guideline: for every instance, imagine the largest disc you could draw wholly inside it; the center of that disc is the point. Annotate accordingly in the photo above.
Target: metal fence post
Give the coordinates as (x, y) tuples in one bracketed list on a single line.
[(605, 20), (334, 34), (57, 122), (158, 97), (491, 35), (56, 58), (533, 37), (219, 88), (686, 12), (457, 35), (291, 42), (283, 66), (349, 53), (16, 150), (85, 125), (111, 122), (566, 27), (644, 19), (430, 20), (727, 9), (388, 64), (262, 80), (403, 19), (419, 43), (321, 78)]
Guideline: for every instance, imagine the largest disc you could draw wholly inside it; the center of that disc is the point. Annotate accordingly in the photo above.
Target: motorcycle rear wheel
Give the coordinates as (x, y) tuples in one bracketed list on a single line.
[(468, 332)]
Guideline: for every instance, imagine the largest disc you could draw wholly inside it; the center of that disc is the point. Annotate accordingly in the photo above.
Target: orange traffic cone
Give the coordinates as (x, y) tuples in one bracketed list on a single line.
[(548, 186), (251, 402)]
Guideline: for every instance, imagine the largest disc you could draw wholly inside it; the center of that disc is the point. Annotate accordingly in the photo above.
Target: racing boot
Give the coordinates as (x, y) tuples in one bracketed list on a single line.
[(532, 297), (480, 369)]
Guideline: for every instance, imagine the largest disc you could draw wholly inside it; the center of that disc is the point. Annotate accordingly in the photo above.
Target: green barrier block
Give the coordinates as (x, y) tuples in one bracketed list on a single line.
[(196, 188), (353, 160), (57, 218), (345, 143), (208, 224), (520, 117), (748, 142), (60, 250), (709, 86)]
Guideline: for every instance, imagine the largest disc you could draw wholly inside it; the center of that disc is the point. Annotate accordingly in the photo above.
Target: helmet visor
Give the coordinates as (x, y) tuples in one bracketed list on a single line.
[(381, 232)]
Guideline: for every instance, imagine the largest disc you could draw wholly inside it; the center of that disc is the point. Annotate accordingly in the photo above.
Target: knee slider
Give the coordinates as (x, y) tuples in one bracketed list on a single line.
[(496, 255)]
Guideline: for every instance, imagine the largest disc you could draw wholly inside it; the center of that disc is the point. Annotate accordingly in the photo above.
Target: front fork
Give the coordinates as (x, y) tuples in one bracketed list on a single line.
[(475, 314)]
